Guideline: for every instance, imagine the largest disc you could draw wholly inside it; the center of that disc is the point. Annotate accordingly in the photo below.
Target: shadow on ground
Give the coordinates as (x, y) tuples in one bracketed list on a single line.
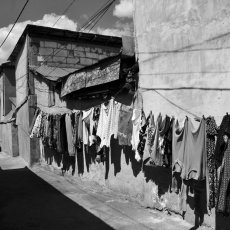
[(29, 203)]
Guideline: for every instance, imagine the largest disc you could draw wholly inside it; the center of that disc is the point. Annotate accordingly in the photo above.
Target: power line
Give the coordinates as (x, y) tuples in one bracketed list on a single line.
[(14, 23), (96, 15), (99, 18), (66, 9)]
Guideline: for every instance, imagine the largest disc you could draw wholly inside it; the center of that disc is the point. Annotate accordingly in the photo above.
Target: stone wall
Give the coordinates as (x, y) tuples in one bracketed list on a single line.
[(66, 54)]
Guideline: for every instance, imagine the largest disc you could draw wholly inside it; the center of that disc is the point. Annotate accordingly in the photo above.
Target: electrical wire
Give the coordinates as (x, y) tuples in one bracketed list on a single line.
[(14, 23), (96, 15), (67, 8), (99, 18)]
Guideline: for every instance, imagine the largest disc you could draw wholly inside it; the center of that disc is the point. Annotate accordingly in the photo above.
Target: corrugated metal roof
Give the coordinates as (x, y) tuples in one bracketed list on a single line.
[(52, 73)]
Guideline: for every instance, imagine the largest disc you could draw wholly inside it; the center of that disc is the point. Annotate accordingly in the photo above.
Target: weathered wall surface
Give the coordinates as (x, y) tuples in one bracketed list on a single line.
[(183, 51), (66, 54), (23, 113), (9, 88), (184, 44)]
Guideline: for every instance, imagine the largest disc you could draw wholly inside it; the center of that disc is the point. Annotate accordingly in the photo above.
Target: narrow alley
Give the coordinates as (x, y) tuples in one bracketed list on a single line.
[(37, 198)]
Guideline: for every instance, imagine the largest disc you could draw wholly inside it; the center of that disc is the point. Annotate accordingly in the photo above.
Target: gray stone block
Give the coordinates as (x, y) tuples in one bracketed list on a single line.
[(79, 54), (45, 51), (92, 55), (59, 59), (72, 60), (61, 52), (51, 44), (86, 61)]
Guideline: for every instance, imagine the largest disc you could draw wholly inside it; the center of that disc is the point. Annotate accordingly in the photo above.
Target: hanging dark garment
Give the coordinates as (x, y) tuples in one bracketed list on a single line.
[(55, 131), (64, 145), (50, 131), (80, 132), (75, 128), (146, 137), (59, 136), (225, 124), (211, 131), (223, 204), (167, 160)]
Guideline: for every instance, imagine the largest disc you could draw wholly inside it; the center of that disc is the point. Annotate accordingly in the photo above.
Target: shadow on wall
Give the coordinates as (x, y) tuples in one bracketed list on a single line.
[(67, 162), (28, 202), (222, 222)]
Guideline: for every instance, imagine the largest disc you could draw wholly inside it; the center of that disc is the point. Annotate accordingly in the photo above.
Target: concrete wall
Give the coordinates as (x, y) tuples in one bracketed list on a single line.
[(183, 52), (9, 88), (21, 75), (184, 44), (66, 54)]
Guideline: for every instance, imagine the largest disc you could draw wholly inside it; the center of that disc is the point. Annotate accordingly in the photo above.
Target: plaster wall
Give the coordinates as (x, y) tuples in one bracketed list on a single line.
[(183, 52), (21, 76), (9, 89)]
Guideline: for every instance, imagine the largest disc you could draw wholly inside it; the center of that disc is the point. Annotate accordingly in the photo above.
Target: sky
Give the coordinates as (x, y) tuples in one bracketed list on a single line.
[(117, 21)]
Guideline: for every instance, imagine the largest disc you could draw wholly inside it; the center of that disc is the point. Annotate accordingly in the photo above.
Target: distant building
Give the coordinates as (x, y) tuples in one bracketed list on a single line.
[(43, 57)]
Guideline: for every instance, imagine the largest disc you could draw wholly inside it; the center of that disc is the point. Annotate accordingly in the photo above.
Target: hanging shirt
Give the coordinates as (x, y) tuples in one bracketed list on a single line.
[(105, 123), (189, 154)]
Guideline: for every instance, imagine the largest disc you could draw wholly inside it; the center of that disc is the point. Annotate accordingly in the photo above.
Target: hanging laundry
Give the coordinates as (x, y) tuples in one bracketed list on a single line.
[(64, 144), (125, 125), (106, 123), (225, 124), (136, 120), (59, 135), (223, 205), (147, 138), (117, 108), (37, 111), (37, 125), (167, 157), (69, 134), (211, 132), (87, 119), (189, 155)]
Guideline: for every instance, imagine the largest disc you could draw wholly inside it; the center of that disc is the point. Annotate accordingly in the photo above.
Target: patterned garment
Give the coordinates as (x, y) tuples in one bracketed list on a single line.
[(36, 129), (142, 135), (223, 204), (225, 124), (211, 132), (147, 138)]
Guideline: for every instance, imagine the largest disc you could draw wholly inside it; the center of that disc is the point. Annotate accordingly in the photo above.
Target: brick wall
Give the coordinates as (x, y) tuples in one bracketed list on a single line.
[(68, 54)]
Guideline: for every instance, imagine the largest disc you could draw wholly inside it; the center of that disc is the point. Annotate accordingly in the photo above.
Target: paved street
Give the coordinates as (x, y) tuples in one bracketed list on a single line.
[(41, 199)]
